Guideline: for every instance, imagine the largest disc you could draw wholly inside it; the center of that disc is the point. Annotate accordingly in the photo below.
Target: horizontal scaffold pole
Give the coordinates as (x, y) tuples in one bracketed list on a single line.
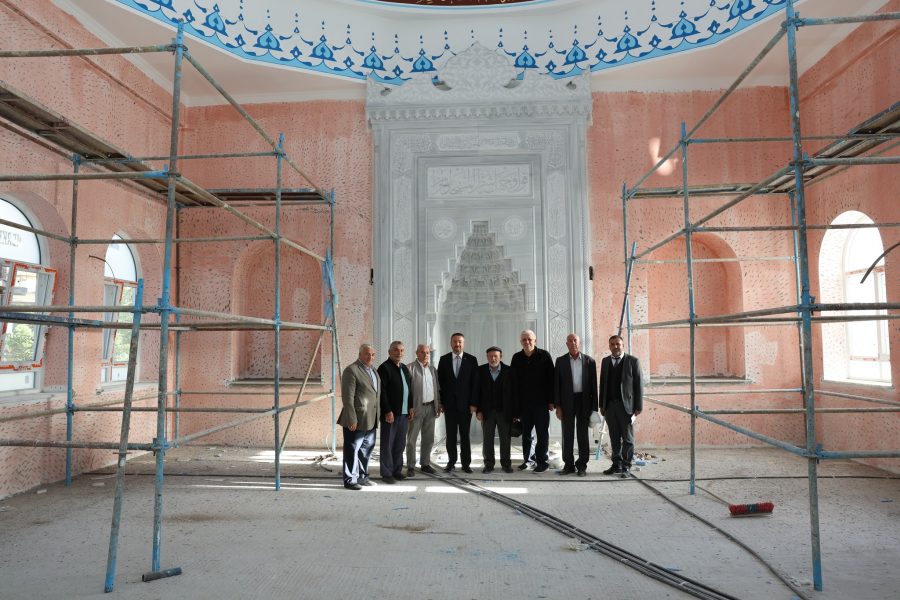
[(84, 445), (139, 159), (84, 176), (856, 397), (753, 228), (235, 238), (194, 312), (85, 51), (890, 16)]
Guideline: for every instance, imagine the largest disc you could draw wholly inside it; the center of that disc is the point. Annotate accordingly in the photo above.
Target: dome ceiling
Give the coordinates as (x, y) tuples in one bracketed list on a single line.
[(393, 40)]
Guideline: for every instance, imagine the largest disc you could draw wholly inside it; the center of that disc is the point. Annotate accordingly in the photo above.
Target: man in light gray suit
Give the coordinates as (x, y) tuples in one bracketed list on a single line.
[(426, 408), (360, 388), (621, 396)]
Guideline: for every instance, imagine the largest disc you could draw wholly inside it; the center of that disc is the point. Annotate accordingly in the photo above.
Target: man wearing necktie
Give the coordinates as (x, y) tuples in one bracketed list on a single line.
[(360, 387), (457, 381), (621, 396), (396, 396)]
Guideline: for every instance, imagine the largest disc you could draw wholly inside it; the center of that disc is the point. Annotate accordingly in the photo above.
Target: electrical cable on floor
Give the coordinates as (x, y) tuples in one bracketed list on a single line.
[(650, 569), (781, 577)]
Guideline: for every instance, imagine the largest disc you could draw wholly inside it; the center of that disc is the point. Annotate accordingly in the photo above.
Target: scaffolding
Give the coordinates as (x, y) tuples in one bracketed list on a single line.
[(866, 144), (52, 131)]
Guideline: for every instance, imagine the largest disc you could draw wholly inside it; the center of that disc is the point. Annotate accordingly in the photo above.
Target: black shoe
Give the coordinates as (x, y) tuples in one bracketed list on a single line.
[(449, 468), (524, 465), (612, 470), (541, 468), (582, 473), (428, 469), (353, 486), (567, 470), (389, 479), (399, 476), (626, 472), (365, 482), (467, 469), (507, 469), (410, 472), (487, 470)]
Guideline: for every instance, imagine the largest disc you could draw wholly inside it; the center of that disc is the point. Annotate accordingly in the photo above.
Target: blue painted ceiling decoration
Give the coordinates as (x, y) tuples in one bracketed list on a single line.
[(358, 39)]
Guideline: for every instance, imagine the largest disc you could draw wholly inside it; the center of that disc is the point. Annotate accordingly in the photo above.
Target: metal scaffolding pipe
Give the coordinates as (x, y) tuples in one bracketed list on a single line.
[(841, 136), (84, 176), (715, 260), (123, 441), (742, 430), (194, 436), (84, 51), (857, 397), (36, 231), (206, 74), (728, 392), (854, 160), (783, 411), (233, 238), (193, 312), (20, 443), (249, 220), (140, 159), (888, 16), (794, 228)]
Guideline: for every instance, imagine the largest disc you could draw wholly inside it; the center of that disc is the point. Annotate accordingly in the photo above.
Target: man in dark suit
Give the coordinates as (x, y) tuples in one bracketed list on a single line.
[(575, 397), (457, 372), (532, 375), (621, 396), (396, 392), (360, 387), (495, 409)]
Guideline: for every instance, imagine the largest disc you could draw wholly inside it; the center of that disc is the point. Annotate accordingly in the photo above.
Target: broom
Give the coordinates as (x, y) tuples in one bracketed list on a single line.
[(757, 509)]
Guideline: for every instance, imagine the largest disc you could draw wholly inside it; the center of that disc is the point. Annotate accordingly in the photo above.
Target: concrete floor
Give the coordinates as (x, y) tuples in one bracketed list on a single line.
[(235, 537)]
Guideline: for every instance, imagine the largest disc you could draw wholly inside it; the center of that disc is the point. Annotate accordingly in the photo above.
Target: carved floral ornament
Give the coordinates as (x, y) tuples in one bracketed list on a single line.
[(478, 83), (392, 41)]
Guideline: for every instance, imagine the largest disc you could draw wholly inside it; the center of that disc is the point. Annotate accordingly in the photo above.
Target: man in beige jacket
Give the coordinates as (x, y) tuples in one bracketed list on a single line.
[(425, 409), (360, 387)]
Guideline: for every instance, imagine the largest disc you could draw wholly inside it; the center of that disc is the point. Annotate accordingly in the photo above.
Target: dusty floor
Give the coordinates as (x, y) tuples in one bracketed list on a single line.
[(235, 537)]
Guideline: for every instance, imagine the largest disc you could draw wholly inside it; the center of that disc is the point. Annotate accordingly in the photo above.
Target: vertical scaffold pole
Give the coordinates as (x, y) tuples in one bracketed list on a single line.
[(691, 314), (177, 415), (334, 343), (123, 439), (805, 300), (165, 308), (626, 308), (70, 360), (279, 165)]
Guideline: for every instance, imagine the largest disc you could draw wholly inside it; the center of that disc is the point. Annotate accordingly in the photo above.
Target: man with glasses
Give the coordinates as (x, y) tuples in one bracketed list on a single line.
[(532, 375)]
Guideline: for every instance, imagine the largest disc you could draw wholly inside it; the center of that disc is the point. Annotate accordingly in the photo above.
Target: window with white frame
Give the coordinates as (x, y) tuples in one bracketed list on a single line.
[(119, 285), (868, 354), (856, 350), (23, 282)]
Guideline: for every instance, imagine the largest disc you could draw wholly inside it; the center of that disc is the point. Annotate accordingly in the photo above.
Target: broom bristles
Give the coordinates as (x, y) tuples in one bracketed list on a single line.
[(760, 508)]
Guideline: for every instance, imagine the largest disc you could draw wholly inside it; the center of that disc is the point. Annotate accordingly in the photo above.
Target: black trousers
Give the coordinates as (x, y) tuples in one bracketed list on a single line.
[(458, 423), (621, 434), (536, 418), (501, 423), (575, 426)]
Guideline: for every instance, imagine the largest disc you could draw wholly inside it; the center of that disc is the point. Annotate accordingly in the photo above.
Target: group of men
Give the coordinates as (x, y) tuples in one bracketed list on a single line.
[(407, 399)]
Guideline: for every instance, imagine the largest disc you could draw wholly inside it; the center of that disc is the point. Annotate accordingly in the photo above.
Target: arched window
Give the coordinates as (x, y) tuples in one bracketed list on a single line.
[(23, 281), (120, 275), (856, 350)]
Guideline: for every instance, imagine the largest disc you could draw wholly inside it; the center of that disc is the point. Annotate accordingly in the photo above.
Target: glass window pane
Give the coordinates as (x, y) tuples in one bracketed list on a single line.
[(120, 262), (19, 343), (16, 244)]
